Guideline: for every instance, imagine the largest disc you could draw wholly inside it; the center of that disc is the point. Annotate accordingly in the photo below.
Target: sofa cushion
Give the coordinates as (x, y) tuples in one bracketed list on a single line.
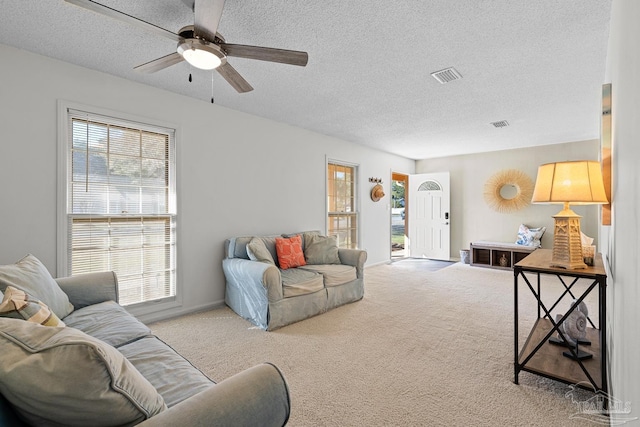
[(62, 376), (20, 305), (289, 250), (109, 322), (257, 251), (333, 274), (321, 250), (296, 281), (170, 374), (32, 277)]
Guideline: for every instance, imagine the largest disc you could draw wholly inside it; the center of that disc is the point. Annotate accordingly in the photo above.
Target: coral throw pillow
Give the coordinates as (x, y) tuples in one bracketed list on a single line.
[(289, 252)]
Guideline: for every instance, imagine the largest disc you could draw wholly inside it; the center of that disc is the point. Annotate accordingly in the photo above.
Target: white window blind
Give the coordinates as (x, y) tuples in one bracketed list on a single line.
[(121, 204)]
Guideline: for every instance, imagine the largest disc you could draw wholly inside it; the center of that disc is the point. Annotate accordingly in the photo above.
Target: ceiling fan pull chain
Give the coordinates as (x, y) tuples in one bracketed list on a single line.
[(212, 87), (200, 44), (190, 80)]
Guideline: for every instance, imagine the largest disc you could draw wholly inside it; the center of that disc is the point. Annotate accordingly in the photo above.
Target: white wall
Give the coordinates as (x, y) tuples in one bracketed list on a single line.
[(623, 71), (472, 219), (237, 174)]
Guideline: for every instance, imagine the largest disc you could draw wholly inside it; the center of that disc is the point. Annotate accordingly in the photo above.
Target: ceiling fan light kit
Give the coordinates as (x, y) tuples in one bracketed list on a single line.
[(201, 55), (200, 44)]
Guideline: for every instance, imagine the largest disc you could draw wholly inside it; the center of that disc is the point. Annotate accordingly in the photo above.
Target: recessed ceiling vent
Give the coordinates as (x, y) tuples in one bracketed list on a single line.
[(446, 75), (501, 124)]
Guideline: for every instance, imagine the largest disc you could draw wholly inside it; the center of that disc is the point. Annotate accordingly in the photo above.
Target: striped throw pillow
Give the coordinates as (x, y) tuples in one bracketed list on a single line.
[(20, 305)]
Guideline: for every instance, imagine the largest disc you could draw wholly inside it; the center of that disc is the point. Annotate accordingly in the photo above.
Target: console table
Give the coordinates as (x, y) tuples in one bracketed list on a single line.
[(540, 357)]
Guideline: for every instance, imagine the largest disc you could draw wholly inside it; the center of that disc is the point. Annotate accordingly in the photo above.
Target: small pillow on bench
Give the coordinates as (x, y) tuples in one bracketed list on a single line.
[(530, 236)]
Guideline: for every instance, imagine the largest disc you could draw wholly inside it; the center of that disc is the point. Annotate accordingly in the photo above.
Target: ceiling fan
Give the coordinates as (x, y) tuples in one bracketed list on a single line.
[(200, 44)]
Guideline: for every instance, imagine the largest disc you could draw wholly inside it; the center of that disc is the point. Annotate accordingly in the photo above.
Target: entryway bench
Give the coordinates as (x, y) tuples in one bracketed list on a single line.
[(498, 254)]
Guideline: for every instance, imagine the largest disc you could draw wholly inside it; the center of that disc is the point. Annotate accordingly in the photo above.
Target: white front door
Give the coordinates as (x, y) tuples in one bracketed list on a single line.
[(429, 216)]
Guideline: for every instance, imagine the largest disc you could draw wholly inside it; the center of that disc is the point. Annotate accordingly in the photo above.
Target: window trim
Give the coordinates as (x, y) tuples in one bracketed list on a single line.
[(62, 196), (356, 192)]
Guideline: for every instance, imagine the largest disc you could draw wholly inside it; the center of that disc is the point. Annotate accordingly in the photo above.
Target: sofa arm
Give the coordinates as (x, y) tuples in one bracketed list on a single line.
[(258, 396), (90, 288), (247, 274), (354, 257)]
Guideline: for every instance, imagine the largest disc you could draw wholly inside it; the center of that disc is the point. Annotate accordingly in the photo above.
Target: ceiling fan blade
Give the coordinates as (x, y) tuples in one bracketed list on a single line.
[(121, 16), (160, 63), (292, 57), (207, 18), (234, 78)]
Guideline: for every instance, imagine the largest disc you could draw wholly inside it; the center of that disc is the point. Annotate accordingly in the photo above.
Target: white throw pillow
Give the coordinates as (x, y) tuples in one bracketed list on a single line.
[(530, 236)]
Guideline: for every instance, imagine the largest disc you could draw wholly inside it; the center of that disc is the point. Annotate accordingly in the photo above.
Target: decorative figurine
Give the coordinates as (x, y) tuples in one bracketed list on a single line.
[(574, 329), (504, 262)]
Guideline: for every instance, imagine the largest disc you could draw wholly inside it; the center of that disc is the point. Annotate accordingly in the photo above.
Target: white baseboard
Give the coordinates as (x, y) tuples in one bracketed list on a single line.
[(377, 263), (170, 314)]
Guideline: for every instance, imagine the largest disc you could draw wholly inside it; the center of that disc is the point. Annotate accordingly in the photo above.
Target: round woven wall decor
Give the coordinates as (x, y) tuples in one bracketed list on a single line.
[(500, 183)]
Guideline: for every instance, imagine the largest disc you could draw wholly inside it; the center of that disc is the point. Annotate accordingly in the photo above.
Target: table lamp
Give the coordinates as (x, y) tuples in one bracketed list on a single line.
[(578, 182)]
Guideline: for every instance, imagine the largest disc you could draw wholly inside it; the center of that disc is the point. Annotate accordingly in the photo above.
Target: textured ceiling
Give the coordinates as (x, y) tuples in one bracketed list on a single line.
[(537, 64)]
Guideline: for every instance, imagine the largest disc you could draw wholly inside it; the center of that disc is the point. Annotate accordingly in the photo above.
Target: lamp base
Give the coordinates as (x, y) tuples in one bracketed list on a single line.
[(567, 242)]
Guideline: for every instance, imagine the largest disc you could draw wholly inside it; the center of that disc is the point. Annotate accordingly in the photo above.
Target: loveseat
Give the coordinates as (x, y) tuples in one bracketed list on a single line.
[(100, 366), (273, 284)]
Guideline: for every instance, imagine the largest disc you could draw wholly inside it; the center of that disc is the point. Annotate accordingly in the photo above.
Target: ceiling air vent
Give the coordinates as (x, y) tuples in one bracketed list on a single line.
[(446, 75), (500, 124)]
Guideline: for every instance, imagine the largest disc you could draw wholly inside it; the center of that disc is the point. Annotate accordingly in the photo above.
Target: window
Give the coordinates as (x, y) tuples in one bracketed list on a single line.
[(120, 204), (342, 204)]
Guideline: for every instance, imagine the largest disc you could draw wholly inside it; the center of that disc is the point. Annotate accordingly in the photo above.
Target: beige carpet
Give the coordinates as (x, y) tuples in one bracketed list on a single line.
[(422, 348)]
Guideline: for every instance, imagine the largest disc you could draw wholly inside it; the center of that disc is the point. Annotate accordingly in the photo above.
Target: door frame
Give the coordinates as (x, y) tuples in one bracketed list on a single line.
[(400, 176)]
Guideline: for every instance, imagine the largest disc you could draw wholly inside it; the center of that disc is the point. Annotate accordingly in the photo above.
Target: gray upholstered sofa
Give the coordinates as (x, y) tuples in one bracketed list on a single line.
[(105, 368), (260, 290)]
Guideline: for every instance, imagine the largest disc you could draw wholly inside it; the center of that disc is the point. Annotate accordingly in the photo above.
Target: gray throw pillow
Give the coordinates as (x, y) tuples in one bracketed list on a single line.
[(32, 277), (321, 250), (257, 251), (62, 376), (306, 235)]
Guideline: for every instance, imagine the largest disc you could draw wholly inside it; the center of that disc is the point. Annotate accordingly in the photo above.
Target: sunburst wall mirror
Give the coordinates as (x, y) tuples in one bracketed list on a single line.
[(508, 191)]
